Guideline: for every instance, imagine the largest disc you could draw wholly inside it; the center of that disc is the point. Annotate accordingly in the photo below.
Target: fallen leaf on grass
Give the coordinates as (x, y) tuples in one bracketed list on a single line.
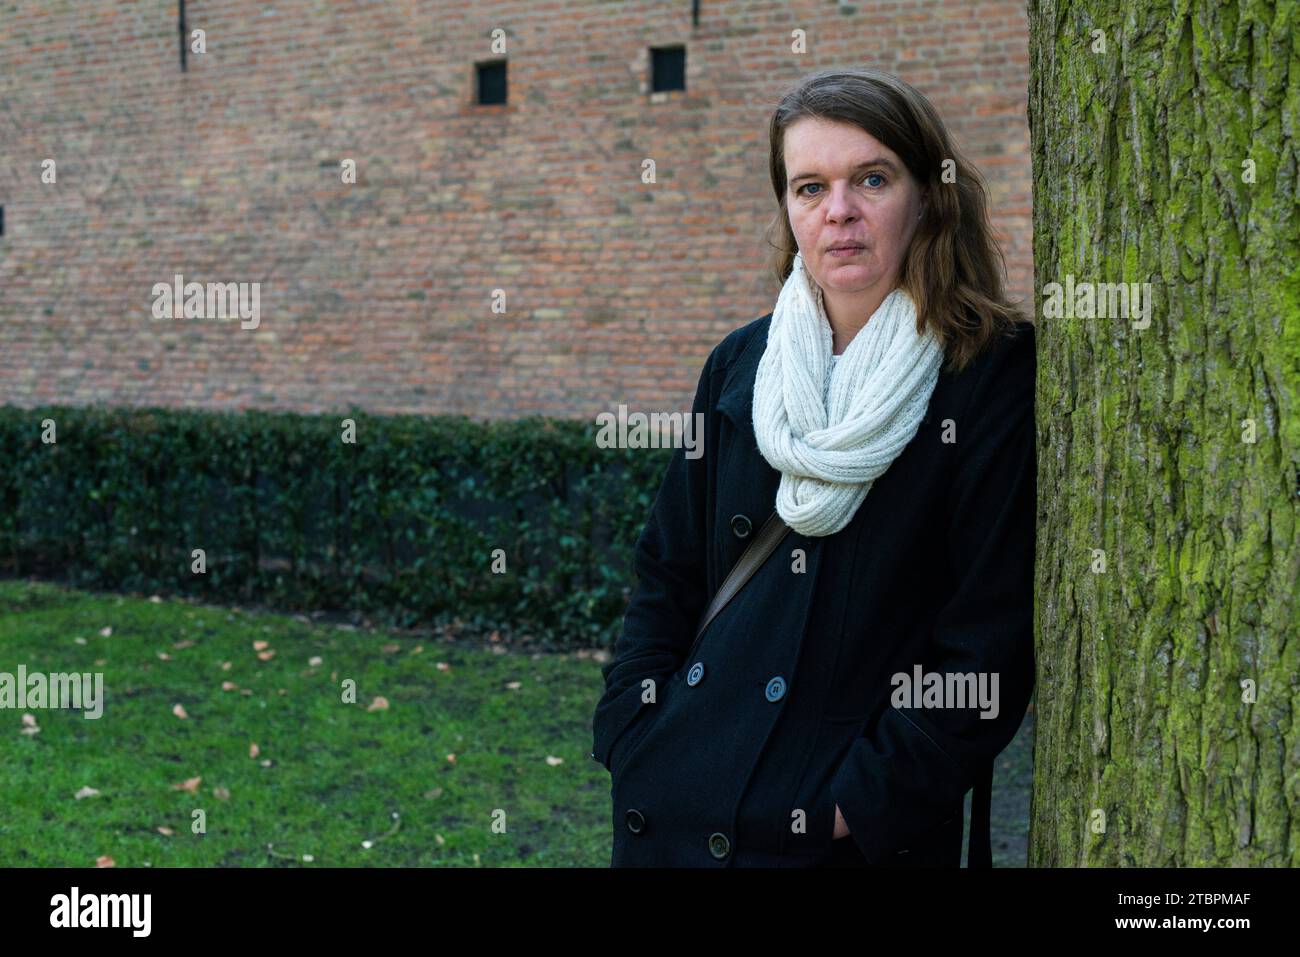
[(391, 649), (229, 686), (443, 666), (225, 666), (179, 711), (552, 760), (265, 762), (105, 861), (164, 656), (514, 685), (86, 792), (265, 655), (259, 644), (436, 792), (79, 640), (29, 725), (418, 650), (451, 759), (221, 793), (183, 644), (189, 785), (166, 831), (379, 704), (105, 632), (315, 661), (254, 750)]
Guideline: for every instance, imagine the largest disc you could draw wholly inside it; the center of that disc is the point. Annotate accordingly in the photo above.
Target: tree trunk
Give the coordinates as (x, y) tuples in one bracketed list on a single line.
[(1168, 695)]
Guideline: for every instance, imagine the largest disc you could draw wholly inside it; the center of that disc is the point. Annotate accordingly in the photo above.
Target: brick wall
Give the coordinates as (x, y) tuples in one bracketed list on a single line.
[(380, 294)]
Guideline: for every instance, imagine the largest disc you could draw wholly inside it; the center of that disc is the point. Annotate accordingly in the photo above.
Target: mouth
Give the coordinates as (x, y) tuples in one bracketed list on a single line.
[(846, 249)]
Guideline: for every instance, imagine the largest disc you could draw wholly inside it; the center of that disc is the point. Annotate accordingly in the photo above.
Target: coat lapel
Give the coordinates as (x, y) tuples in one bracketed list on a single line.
[(736, 400)]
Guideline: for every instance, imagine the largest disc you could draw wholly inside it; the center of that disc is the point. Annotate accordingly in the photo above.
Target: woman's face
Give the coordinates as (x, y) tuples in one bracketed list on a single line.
[(845, 186)]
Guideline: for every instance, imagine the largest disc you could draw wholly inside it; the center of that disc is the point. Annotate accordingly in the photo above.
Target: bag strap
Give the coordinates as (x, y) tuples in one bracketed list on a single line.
[(768, 537)]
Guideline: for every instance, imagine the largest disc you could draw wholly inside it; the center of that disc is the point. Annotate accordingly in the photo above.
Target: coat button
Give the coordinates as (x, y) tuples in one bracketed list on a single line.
[(696, 674), (741, 526), (776, 689), (635, 821), (719, 846)]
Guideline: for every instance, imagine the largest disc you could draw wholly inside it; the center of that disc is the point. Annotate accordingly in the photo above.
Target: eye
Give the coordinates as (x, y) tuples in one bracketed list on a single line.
[(879, 176)]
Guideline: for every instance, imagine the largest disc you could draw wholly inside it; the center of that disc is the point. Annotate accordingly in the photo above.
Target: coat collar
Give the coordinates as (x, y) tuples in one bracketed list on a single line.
[(736, 400)]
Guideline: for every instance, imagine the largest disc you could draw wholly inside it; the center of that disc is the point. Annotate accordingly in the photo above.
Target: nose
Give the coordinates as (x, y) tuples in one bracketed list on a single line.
[(842, 205)]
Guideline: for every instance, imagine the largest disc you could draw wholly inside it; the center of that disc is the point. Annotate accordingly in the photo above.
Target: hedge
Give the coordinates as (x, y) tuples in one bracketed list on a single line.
[(401, 524)]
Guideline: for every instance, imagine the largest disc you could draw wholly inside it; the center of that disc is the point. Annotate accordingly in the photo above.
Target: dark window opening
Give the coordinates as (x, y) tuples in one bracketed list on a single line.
[(492, 82), (2, 220), (667, 68), (180, 24)]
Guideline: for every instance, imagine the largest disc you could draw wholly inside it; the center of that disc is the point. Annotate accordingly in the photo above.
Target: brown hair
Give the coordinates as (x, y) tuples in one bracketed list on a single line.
[(951, 268)]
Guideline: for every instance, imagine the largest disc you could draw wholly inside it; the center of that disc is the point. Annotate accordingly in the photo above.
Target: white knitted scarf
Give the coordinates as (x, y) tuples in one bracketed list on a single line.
[(833, 428)]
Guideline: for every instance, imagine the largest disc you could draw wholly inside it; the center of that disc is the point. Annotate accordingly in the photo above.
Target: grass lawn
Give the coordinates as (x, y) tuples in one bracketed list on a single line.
[(473, 737), (327, 776)]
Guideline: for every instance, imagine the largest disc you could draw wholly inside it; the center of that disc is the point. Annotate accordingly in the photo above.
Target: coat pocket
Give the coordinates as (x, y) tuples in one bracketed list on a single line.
[(615, 717), (635, 731), (938, 847), (631, 736), (813, 794)]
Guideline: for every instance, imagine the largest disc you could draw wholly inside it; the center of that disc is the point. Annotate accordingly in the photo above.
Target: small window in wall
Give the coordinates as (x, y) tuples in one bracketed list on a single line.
[(492, 82), (180, 24), (2, 220), (667, 68)]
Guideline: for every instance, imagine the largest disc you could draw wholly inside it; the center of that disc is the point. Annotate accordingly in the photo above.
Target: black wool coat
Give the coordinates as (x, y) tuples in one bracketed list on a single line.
[(734, 750)]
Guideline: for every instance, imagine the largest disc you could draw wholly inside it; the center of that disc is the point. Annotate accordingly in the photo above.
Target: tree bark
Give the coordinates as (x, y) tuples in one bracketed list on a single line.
[(1170, 451)]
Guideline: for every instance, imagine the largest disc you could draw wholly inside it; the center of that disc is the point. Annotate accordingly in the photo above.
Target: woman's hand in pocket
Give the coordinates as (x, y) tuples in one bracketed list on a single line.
[(841, 825)]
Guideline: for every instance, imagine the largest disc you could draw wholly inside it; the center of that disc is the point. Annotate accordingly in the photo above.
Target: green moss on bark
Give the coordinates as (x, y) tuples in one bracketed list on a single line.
[(1138, 156)]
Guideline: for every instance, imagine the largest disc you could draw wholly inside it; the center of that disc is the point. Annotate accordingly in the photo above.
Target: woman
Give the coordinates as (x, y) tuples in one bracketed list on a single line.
[(839, 707)]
